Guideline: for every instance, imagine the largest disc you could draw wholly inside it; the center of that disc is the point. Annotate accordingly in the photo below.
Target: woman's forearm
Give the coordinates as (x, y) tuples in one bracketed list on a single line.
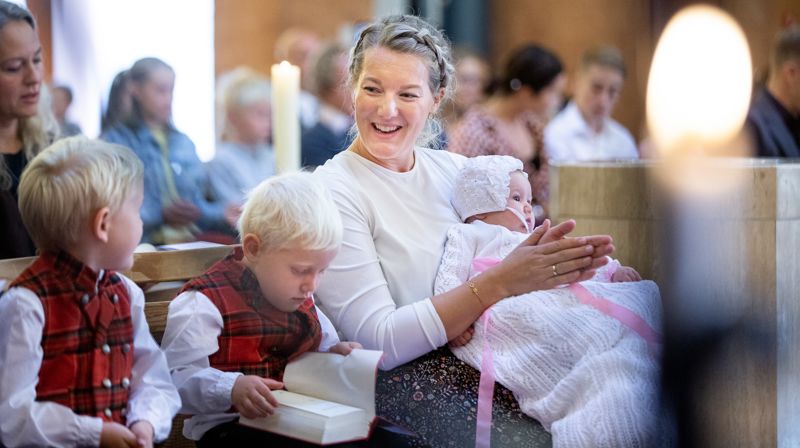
[(461, 306)]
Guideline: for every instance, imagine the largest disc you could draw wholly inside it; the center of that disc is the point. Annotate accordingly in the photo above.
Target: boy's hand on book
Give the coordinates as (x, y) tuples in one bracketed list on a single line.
[(344, 348), (144, 433), (252, 398), (625, 274), (114, 435)]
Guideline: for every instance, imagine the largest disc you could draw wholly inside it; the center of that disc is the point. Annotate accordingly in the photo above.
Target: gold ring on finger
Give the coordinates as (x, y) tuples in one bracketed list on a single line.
[(555, 271)]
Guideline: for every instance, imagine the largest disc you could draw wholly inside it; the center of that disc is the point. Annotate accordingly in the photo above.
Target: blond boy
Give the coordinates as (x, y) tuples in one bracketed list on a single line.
[(232, 330), (79, 364)]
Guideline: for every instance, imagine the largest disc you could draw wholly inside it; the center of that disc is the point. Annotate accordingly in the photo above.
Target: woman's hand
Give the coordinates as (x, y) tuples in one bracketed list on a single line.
[(560, 231), (548, 259)]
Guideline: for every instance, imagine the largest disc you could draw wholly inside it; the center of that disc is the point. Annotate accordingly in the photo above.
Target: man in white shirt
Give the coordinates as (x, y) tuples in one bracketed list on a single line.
[(584, 130)]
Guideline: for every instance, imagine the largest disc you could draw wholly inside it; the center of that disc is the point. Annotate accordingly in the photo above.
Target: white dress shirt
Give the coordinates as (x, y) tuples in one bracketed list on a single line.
[(569, 138), (377, 289), (27, 422), (193, 326)]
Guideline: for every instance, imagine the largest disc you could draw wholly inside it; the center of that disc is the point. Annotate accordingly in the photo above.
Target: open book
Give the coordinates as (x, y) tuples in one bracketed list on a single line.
[(329, 398)]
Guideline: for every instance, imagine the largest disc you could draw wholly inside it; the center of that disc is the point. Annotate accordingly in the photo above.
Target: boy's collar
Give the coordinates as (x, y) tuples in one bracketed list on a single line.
[(84, 277)]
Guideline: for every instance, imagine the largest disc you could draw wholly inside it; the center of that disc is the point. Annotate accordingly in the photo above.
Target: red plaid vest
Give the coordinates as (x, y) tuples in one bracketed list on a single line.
[(87, 339), (256, 338)]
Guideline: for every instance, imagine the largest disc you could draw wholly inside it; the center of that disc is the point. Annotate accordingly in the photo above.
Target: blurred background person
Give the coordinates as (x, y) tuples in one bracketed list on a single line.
[(61, 100), (473, 76), (774, 117), (298, 46), (174, 209), (119, 105), (244, 155), (331, 134), (511, 121), (27, 124), (584, 130)]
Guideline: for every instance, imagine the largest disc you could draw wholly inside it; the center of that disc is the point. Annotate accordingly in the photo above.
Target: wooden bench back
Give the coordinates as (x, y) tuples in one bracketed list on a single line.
[(159, 274)]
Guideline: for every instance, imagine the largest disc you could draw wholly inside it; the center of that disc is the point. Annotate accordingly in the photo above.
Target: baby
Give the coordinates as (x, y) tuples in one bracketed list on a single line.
[(579, 359)]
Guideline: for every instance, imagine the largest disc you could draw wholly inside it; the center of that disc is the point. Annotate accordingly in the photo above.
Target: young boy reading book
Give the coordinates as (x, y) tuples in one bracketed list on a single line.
[(79, 366), (231, 331)]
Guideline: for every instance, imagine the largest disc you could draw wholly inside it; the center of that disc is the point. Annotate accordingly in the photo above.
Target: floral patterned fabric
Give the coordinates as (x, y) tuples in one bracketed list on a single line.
[(436, 396)]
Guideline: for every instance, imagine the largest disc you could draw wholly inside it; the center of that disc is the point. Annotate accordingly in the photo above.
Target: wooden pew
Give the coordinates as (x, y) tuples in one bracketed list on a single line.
[(160, 275)]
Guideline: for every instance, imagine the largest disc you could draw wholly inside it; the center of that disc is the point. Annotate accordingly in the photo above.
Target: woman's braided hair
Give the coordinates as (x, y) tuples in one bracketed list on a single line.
[(410, 35)]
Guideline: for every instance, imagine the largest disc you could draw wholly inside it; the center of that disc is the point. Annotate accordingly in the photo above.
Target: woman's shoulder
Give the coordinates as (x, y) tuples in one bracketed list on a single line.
[(341, 172), (442, 159)]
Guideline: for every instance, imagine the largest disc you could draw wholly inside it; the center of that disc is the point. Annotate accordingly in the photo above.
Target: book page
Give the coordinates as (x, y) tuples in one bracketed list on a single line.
[(344, 379), (324, 408), (189, 245)]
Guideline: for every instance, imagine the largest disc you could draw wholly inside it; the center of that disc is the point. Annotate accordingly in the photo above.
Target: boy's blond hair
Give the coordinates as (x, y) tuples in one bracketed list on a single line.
[(292, 211), (67, 183)]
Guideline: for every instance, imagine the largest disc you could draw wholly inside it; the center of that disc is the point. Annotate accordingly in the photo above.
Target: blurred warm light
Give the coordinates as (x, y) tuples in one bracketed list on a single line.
[(699, 92), (700, 80)]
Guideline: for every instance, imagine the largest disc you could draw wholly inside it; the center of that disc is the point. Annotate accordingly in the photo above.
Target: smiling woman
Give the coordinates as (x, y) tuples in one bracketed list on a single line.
[(25, 127), (394, 198)]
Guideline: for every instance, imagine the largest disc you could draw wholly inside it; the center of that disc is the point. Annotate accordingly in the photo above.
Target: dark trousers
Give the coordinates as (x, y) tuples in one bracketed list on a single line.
[(232, 434)]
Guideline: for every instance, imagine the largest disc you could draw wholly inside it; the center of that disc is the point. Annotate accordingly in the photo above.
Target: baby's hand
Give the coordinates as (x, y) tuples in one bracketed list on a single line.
[(463, 338), (251, 396), (344, 348), (625, 274)]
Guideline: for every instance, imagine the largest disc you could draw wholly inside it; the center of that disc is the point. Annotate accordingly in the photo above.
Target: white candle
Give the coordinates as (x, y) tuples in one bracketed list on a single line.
[(285, 116)]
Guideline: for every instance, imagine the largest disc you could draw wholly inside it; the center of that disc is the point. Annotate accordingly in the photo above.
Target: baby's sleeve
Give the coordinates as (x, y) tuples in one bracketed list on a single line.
[(605, 273), (459, 250)]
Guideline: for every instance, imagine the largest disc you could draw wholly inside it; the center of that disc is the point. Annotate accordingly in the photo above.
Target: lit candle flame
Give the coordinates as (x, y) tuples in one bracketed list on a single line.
[(698, 93)]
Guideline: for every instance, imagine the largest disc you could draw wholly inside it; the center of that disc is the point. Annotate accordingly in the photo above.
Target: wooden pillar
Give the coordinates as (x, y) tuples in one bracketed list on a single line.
[(42, 11)]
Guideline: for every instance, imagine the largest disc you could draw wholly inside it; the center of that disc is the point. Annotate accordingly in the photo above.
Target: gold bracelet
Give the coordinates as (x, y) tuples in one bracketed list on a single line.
[(474, 290)]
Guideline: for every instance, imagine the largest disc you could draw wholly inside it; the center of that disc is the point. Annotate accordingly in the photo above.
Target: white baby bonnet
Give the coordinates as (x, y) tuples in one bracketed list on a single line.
[(482, 185)]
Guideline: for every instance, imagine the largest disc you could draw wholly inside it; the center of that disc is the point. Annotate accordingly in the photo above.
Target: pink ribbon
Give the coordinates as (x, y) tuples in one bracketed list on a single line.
[(619, 312), (483, 427)]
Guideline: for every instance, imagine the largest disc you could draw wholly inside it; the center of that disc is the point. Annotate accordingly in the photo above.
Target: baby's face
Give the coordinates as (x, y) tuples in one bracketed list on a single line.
[(519, 199)]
